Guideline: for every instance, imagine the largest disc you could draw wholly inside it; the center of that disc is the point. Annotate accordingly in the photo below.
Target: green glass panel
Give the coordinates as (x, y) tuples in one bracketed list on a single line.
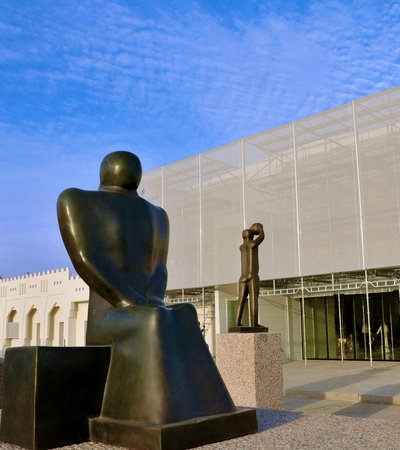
[(333, 328), (315, 331), (232, 310)]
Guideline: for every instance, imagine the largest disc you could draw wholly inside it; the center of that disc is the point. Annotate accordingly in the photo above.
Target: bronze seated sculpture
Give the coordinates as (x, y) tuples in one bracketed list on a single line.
[(161, 377)]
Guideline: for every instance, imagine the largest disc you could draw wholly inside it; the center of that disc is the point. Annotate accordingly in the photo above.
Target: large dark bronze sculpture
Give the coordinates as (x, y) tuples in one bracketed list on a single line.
[(249, 282), (117, 241), (163, 389)]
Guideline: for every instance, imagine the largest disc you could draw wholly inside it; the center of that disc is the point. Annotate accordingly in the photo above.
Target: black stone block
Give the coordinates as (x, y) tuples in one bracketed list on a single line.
[(49, 394), (244, 329)]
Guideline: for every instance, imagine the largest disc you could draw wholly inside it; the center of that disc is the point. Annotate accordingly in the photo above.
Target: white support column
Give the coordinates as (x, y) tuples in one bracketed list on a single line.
[(368, 319), (340, 328), (243, 184), (360, 211), (296, 202), (298, 240), (200, 221), (289, 350), (162, 187), (304, 323), (359, 196)]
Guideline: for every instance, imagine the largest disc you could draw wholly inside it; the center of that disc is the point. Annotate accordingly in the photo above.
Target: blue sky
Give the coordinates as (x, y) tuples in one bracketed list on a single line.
[(167, 80)]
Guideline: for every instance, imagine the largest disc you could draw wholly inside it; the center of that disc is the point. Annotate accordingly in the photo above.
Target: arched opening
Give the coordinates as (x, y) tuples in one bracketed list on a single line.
[(32, 328), (81, 323), (12, 332), (55, 336)]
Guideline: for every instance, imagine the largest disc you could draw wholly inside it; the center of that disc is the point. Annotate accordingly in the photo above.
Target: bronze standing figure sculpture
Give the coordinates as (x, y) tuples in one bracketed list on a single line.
[(249, 282)]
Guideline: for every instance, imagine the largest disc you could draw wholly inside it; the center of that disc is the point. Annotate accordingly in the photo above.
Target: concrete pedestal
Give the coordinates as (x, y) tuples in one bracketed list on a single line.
[(251, 367)]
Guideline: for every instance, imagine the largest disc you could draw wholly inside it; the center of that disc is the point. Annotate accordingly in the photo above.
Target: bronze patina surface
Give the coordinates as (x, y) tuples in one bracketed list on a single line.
[(249, 282), (177, 435), (117, 241), (161, 372)]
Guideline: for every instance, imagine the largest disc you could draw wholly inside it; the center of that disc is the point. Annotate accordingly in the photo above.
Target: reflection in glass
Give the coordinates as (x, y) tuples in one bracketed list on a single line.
[(316, 336), (232, 311), (337, 327), (333, 327), (346, 323), (361, 326)]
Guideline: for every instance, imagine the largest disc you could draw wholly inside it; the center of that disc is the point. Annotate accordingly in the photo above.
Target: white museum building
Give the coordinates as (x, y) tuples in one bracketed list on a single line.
[(327, 191)]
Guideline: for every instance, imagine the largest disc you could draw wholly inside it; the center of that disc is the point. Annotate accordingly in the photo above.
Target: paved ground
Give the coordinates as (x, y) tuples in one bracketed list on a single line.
[(351, 388), (329, 405), (351, 380)]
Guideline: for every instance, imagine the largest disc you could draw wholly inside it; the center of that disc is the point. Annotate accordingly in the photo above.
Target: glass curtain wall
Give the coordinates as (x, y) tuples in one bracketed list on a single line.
[(181, 198), (377, 121), (327, 192), (337, 327), (326, 188), (269, 194)]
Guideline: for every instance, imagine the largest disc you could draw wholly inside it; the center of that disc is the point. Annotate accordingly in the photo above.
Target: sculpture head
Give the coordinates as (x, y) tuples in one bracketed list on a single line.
[(247, 234), (122, 170)]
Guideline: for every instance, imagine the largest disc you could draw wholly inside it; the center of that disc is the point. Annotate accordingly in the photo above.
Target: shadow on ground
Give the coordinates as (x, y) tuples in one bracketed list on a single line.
[(272, 418)]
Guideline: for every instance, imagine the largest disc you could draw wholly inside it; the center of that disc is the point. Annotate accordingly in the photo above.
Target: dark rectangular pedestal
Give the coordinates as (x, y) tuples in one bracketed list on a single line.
[(49, 393), (174, 436), (244, 329)]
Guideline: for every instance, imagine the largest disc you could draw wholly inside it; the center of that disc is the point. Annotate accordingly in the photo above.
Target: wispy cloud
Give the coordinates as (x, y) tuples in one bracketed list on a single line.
[(192, 66), (81, 78)]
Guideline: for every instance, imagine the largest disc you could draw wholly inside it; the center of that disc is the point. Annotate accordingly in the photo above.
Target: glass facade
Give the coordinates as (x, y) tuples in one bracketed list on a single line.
[(327, 191), (336, 327), (326, 188)]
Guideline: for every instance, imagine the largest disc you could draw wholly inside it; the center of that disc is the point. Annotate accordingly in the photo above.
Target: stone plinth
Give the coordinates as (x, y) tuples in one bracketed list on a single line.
[(251, 367), (50, 393)]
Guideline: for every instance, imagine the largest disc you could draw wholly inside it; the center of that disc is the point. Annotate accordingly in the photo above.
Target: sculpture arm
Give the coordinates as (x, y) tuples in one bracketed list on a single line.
[(259, 229), (106, 280), (98, 272)]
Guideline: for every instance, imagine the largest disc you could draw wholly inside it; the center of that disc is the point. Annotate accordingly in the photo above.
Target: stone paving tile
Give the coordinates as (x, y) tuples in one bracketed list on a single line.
[(342, 408)]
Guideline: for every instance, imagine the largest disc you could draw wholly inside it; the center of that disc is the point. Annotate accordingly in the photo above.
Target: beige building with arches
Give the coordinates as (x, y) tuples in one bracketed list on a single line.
[(47, 308), (50, 309)]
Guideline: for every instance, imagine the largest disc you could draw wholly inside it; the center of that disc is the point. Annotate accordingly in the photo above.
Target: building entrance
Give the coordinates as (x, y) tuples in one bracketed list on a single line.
[(336, 327)]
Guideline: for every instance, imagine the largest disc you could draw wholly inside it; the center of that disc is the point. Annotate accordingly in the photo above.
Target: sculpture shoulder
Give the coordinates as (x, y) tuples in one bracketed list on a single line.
[(72, 195), (73, 200), (159, 212), (162, 214)]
